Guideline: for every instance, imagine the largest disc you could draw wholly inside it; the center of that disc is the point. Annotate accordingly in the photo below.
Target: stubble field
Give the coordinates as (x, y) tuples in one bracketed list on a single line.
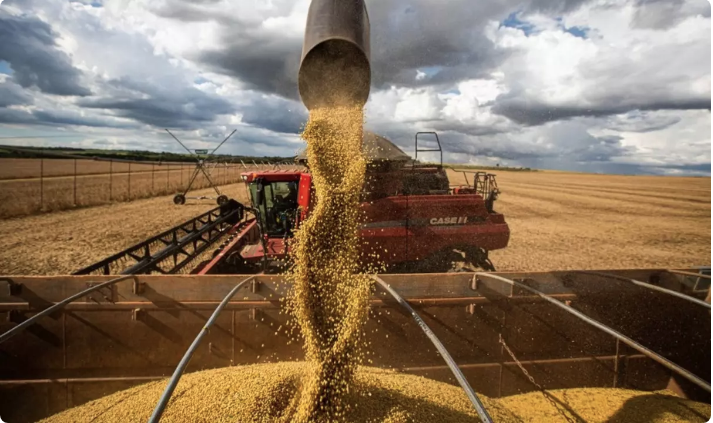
[(29, 186), (557, 221)]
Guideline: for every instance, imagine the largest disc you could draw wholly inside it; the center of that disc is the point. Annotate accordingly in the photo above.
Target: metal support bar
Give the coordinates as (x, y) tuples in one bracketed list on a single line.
[(177, 140), (649, 286), (166, 396), (685, 273), (24, 325), (479, 408), (604, 328), (219, 145)]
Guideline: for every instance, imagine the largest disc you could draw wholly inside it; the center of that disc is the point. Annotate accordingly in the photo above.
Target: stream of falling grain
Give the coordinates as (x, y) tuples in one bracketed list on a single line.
[(329, 300)]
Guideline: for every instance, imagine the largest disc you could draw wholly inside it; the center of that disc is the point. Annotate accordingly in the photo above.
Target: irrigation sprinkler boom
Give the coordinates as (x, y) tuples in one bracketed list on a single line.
[(201, 167)]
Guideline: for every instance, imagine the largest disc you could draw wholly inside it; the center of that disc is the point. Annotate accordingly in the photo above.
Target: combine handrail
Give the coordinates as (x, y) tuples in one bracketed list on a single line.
[(604, 328), (479, 408), (648, 286), (22, 326), (166, 396)]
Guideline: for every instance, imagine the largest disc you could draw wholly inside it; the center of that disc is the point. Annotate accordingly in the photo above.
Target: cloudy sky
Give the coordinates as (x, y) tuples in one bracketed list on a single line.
[(597, 86)]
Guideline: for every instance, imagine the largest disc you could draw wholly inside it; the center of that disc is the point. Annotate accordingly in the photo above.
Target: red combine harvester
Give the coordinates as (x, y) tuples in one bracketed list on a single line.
[(414, 221)]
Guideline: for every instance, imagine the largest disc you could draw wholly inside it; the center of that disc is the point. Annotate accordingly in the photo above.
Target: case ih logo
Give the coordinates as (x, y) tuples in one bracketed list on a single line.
[(449, 220)]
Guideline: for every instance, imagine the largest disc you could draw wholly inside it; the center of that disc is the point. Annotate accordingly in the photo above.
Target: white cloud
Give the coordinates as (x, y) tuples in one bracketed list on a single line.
[(549, 96)]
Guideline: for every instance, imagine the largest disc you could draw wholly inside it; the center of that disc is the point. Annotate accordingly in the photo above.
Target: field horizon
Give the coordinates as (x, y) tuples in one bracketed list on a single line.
[(558, 221)]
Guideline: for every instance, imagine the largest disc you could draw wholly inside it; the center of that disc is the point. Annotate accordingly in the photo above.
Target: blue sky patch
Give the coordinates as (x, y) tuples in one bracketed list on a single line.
[(430, 70), (5, 68), (577, 31), (513, 21)]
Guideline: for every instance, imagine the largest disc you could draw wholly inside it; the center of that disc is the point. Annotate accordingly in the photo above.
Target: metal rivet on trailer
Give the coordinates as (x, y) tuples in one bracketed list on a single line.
[(139, 287), (14, 316), (474, 283), (137, 314)]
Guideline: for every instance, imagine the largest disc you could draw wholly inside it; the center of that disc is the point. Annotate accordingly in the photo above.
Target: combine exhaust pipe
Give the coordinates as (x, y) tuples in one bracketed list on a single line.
[(335, 69)]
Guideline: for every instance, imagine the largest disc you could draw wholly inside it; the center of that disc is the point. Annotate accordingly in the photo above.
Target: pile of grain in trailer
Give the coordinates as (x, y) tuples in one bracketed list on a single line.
[(262, 392)]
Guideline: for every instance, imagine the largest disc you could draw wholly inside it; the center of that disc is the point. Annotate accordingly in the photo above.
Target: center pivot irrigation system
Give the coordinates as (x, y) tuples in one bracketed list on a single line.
[(202, 159)]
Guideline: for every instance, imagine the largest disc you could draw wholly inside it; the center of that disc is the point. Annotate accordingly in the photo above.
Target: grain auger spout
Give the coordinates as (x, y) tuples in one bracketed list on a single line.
[(335, 70)]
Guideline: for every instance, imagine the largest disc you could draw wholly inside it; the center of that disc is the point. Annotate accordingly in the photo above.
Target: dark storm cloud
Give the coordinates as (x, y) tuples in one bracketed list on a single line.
[(267, 65), (265, 61), (16, 116), (12, 94), (191, 11), (664, 14), (407, 36), (553, 7), (569, 142), (255, 141), (29, 45), (412, 35), (58, 118), (169, 104), (534, 112), (468, 128), (275, 114), (641, 122), (266, 139), (447, 40)]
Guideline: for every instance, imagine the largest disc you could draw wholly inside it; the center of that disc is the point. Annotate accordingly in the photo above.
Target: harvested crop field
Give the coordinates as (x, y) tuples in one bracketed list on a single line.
[(584, 221), (62, 242), (30, 186), (557, 221), (260, 392)]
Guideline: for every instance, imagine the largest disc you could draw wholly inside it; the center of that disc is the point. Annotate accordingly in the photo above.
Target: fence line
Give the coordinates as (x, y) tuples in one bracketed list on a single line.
[(66, 183)]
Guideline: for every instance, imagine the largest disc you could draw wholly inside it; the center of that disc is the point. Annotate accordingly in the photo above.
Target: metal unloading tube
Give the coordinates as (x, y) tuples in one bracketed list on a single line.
[(335, 69)]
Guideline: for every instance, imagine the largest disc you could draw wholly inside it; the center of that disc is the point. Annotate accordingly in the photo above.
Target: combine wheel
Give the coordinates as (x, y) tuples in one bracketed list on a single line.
[(222, 199), (470, 259), (179, 199)]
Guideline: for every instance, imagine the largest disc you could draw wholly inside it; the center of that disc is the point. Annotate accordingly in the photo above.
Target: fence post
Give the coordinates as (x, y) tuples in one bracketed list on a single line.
[(42, 183), (111, 180), (153, 178), (129, 189), (75, 182)]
